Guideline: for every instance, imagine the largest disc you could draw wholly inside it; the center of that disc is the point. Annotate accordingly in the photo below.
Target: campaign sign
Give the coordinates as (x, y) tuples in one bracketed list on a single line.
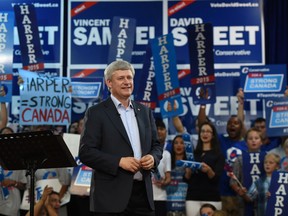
[(277, 202), (238, 30), (189, 148), (31, 51), (167, 83), (6, 87), (189, 164), (176, 192), (253, 167), (44, 100), (147, 94), (90, 29), (87, 89), (6, 55), (202, 63), (80, 181), (276, 116), (263, 81), (123, 35), (50, 15)]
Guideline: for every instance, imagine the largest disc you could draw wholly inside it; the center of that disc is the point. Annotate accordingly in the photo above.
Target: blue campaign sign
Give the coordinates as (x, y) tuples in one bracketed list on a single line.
[(80, 181), (147, 93), (276, 203), (84, 176), (6, 41), (166, 76), (50, 16), (6, 81), (202, 63), (276, 110), (236, 41), (31, 51), (122, 41), (52, 103), (6, 55), (87, 89), (263, 81), (90, 26)]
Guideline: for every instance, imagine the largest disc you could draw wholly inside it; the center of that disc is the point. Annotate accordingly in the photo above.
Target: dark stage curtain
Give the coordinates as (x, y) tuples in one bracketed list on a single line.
[(276, 31)]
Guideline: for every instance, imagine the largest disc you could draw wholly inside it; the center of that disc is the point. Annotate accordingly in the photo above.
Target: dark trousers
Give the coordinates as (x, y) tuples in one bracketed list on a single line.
[(138, 204), (160, 208)]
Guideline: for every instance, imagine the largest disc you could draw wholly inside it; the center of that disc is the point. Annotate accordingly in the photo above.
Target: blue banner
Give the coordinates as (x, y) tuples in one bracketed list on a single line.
[(6, 55), (263, 81), (238, 40), (202, 63), (166, 75), (52, 103), (253, 169), (123, 34), (91, 25), (31, 51), (50, 17), (87, 89), (147, 93), (277, 202), (276, 110)]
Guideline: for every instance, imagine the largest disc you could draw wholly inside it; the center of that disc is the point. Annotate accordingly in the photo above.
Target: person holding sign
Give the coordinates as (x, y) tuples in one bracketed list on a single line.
[(203, 184), (259, 189), (119, 142), (248, 166), (49, 203), (233, 139), (176, 190)]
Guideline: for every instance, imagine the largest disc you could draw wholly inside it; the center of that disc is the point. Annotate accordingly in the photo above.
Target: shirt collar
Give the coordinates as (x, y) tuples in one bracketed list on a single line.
[(117, 103)]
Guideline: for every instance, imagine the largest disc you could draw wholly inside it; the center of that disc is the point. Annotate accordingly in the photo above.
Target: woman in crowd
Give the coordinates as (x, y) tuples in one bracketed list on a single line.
[(203, 184), (176, 190)]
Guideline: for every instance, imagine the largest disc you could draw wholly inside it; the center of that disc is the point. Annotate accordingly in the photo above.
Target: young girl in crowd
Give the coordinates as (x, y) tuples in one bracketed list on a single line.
[(203, 184), (259, 189), (176, 190), (248, 167)]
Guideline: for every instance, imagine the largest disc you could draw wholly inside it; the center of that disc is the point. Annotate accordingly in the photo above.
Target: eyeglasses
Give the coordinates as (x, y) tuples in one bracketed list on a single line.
[(206, 131)]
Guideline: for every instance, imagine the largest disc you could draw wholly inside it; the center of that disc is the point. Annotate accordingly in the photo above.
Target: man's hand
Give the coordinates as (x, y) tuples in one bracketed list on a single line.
[(130, 164), (147, 162)]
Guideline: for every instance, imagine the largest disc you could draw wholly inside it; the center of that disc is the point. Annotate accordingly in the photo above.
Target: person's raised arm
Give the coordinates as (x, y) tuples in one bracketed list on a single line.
[(201, 115), (40, 205), (175, 119), (240, 110)]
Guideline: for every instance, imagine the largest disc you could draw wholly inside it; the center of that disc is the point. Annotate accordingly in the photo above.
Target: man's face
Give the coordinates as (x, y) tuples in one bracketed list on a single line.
[(234, 128), (162, 133), (121, 84), (261, 126)]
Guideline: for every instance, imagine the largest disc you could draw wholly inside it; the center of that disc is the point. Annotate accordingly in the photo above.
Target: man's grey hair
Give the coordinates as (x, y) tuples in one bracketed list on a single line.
[(117, 65)]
